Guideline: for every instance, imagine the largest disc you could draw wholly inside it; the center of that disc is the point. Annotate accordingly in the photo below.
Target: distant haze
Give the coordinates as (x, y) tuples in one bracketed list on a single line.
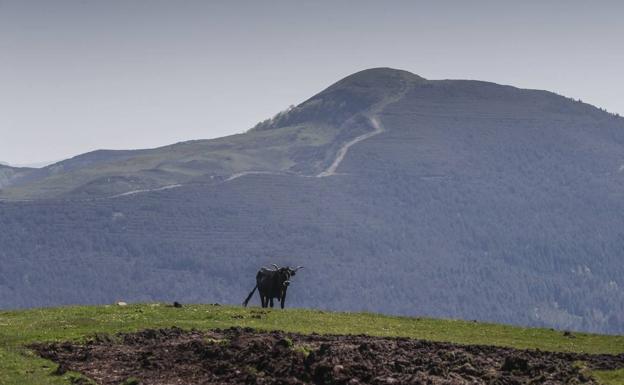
[(81, 75)]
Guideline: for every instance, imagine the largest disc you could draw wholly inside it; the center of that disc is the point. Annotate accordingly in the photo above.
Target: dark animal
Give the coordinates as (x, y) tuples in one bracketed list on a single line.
[(272, 284)]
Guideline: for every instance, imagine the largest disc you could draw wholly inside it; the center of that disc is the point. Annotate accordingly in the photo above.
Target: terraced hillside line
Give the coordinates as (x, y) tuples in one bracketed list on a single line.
[(378, 129), (133, 192), (243, 173)]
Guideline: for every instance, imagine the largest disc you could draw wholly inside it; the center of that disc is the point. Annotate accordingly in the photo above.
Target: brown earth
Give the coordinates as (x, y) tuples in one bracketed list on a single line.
[(245, 356)]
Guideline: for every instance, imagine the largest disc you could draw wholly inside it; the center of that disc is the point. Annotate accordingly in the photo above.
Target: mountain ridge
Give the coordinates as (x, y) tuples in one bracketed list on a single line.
[(458, 199), (326, 112)]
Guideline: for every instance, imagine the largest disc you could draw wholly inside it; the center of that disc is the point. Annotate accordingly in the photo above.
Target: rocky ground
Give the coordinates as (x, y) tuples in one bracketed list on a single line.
[(245, 356)]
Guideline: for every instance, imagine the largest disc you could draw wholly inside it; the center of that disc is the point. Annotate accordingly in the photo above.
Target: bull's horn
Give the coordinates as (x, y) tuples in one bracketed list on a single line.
[(276, 267), (298, 267)]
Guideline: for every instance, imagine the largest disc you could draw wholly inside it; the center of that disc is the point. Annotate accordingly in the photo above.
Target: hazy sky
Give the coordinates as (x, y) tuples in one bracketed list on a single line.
[(81, 75)]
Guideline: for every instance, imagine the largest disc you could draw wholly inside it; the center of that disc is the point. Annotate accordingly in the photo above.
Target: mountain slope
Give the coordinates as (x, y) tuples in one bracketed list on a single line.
[(301, 141), (9, 175), (449, 199)]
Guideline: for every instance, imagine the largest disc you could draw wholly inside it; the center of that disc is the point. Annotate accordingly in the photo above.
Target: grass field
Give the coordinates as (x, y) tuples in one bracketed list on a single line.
[(18, 328)]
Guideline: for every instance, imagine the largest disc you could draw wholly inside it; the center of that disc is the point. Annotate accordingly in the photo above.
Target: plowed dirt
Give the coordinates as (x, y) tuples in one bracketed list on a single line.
[(245, 356)]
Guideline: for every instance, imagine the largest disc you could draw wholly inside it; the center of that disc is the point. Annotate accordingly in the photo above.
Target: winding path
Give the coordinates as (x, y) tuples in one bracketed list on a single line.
[(378, 129), (168, 187), (331, 170), (243, 173)]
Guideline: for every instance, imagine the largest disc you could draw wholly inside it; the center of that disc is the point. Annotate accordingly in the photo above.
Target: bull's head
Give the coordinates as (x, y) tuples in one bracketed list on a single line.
[(286, 273), (283, 275)]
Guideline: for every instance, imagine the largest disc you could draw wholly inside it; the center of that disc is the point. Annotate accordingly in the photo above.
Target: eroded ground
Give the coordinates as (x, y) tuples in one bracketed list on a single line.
[(245, 356)]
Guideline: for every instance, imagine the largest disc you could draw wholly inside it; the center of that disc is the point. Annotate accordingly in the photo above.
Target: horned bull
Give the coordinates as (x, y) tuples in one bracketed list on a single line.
[(272, 283)]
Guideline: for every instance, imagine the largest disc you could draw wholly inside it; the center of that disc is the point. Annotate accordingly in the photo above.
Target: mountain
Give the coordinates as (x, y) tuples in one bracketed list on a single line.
[(444, 198), (9, 174), (301, 141)]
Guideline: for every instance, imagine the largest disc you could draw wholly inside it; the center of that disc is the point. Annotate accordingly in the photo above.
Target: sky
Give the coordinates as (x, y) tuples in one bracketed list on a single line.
[(80, 75)]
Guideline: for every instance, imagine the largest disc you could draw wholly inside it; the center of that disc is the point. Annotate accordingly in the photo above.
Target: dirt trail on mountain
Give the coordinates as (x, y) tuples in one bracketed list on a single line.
[(243, 173), (378, 128), (331, 170), (133, 192), (244, 356)]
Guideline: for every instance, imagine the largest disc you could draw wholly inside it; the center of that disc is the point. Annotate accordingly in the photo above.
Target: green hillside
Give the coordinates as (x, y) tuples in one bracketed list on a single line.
[(19, 328), (302, 141)]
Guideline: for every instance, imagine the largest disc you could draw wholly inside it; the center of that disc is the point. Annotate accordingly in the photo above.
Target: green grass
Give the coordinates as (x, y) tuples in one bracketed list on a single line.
[(614, 377), (18, 328)]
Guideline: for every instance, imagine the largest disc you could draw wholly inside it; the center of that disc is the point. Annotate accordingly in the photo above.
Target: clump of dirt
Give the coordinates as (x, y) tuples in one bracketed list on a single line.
[(245, 356)]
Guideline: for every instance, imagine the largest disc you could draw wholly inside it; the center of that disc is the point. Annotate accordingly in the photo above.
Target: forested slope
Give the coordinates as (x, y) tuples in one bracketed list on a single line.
[(477, 201)]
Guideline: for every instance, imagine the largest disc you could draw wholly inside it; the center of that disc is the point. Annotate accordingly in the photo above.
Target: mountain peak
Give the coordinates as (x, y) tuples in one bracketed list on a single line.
[(380, 77), (347, 97)]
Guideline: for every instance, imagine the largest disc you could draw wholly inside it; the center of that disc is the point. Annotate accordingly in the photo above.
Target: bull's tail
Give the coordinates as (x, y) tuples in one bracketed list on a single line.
[(249, 296)]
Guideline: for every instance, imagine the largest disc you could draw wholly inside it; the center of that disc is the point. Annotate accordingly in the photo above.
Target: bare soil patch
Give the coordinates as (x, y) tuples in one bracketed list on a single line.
[(245, 356)]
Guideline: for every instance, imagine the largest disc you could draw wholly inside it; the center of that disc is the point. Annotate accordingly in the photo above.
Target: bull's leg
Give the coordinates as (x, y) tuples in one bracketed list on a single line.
[(283, 299), (271, 301), (262, 301)]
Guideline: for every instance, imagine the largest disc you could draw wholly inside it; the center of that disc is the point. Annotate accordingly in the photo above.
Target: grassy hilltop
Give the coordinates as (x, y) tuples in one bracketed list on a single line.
[(19, 328)]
